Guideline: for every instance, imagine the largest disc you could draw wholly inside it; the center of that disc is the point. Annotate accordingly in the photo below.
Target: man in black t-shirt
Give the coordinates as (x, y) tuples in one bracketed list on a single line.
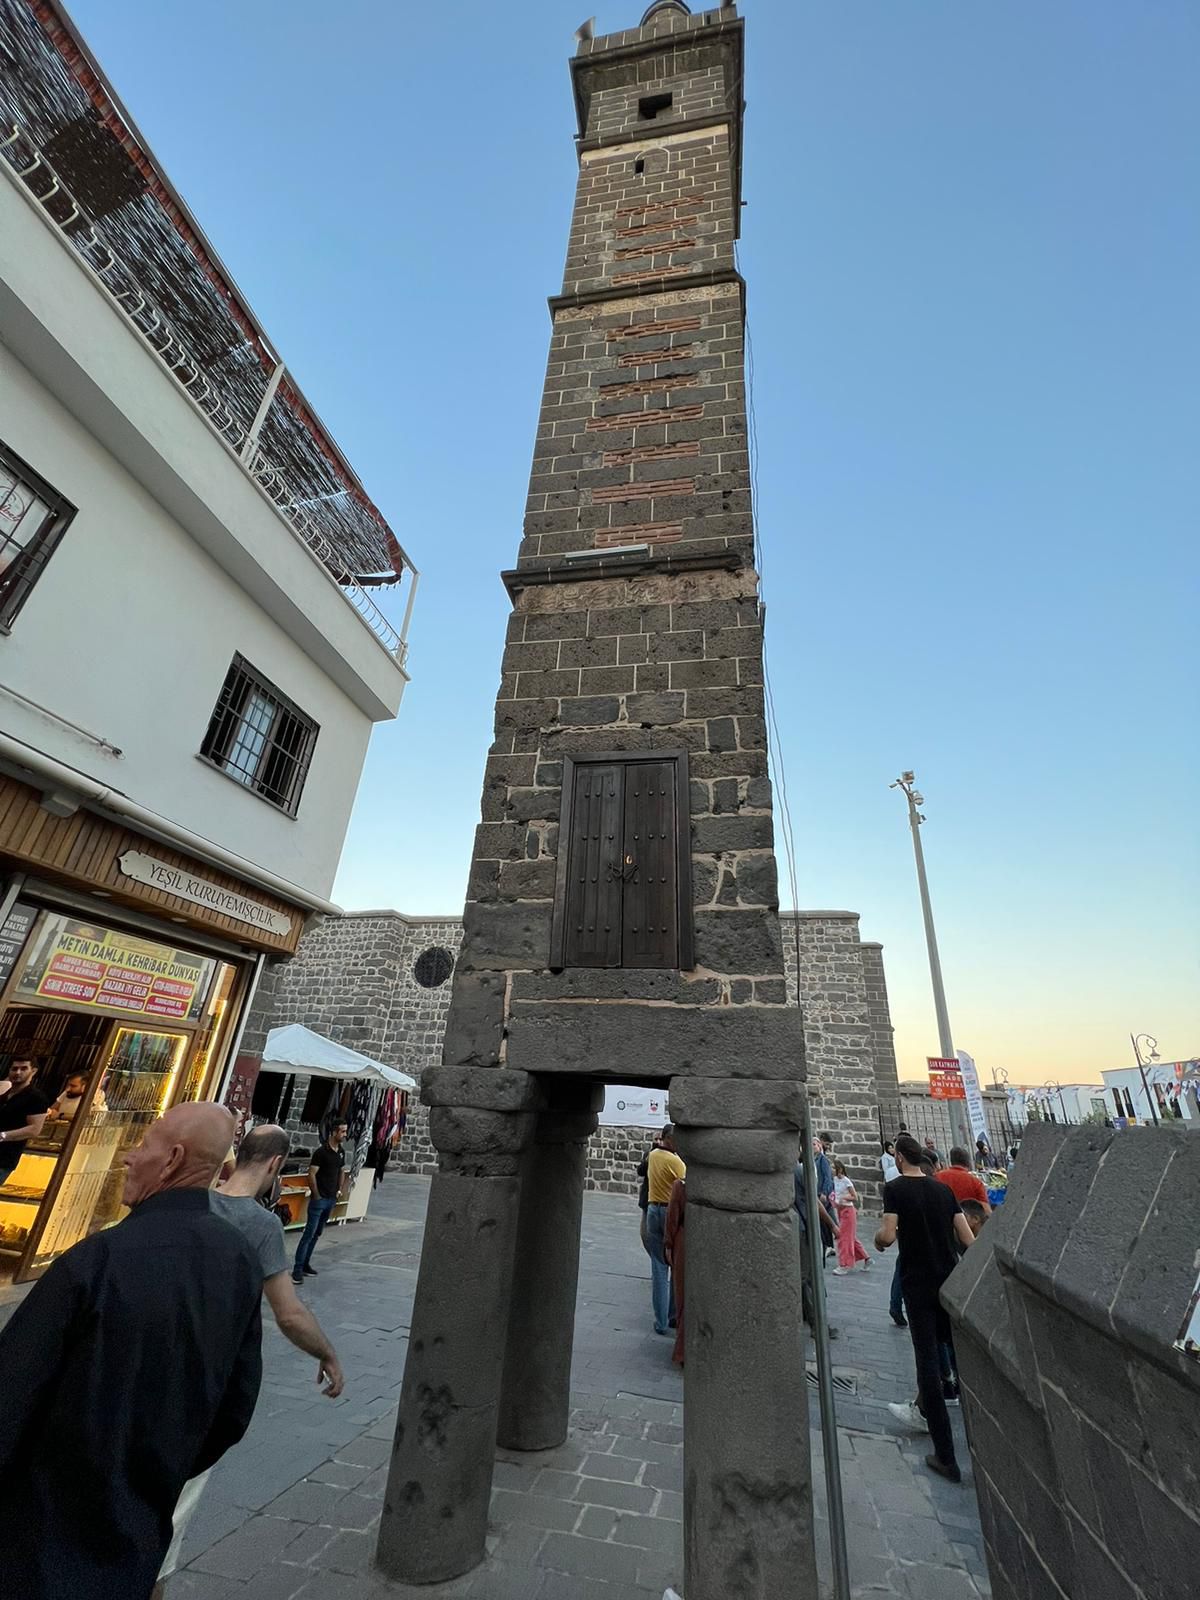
[(324, 1185), (927, 1219), (22, 1112)]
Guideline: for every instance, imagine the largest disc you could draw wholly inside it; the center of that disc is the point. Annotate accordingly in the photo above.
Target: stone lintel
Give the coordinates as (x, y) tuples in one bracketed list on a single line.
[(620, 291), (656, 1041), (629, 565)]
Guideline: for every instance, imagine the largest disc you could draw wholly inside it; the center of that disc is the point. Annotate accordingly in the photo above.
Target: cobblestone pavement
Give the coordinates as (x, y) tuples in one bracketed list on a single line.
[(292, 1512)]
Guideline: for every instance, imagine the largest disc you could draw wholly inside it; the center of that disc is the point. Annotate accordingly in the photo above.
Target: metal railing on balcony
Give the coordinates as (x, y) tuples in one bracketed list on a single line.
[(76, 153)]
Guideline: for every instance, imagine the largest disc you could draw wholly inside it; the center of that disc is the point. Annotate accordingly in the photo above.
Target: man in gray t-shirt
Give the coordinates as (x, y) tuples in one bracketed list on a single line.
[(261, 1154)]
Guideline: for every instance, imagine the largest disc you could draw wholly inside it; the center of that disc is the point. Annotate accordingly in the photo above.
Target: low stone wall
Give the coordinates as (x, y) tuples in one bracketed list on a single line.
[(1083, 1418)]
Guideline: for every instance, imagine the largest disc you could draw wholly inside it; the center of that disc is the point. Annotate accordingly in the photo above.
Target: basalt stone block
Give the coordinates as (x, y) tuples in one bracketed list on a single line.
[(655, 710), (757, 878), (1059, 1205), (739, 941), (527, 880), (1109, 1226), (498, 937), (738, 1103), (755, 1150), (467, 1131), (1156, 1286), (481, 1089), (712, 835), (589, 710), (659, 1041), (475, 1020), (616, 983)]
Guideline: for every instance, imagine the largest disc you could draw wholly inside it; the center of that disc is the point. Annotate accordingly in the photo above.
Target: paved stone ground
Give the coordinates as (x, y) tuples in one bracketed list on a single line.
[(292, 1512)]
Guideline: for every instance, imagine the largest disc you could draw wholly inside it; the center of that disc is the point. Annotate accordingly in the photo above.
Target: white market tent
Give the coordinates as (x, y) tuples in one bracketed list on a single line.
[(298, 1049)]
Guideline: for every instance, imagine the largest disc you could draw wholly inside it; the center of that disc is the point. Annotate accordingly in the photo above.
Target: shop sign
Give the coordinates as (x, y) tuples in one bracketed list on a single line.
[(945, 1078), (202, 892), (102, 969), (626, 1107), (13, 934)]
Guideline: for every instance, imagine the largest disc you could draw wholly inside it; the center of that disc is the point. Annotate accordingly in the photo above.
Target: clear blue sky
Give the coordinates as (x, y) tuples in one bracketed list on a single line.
[(971, 240)]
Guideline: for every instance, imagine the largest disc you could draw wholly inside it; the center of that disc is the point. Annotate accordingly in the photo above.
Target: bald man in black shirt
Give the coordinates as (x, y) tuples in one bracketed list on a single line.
[(133, 1365)]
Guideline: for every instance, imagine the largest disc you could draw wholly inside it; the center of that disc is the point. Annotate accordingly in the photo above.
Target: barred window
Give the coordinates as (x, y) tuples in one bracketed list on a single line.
[(33, 518), (259, 738)]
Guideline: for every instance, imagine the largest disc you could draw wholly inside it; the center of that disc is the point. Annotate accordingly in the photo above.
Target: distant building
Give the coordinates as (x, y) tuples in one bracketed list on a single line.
[(1175, 1086), (193, 647)]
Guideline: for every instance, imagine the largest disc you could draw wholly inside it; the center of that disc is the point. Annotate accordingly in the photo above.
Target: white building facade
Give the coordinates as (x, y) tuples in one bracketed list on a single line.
[(202, 619)]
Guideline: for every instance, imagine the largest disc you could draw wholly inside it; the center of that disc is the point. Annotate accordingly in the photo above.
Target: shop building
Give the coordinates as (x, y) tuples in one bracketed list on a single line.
[(202, 619)]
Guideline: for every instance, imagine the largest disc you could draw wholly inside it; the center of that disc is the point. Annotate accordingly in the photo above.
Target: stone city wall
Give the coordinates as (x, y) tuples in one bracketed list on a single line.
[(1083, 1418)]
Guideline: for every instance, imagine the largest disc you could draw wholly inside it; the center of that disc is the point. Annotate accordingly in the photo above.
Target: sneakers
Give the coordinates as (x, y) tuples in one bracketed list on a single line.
[(841, 1272), (908, 1413), (944, 1469), (297, 1278), (950, 1391), (310, 1272), (899, 1318), (865, 1263)]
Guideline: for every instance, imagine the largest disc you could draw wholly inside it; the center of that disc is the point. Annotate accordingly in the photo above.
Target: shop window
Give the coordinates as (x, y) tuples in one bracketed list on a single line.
[(33, 518), (316, 1101), (259, 738), (623, 895), (433, 966)]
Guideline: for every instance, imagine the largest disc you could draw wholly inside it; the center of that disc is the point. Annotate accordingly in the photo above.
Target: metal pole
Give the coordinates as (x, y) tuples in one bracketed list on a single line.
[(829, 1438), (1145, 1084), (959, 1127)]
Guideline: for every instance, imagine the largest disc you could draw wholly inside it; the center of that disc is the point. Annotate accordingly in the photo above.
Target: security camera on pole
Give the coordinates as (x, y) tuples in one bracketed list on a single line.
[(956, 1104)]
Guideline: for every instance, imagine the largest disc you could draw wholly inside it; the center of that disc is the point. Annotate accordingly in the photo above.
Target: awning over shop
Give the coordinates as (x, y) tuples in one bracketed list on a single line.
[(298, 1049)]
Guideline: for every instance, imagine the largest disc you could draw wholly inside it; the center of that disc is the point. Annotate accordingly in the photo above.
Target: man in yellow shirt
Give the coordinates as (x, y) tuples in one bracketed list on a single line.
[(662, 1169)]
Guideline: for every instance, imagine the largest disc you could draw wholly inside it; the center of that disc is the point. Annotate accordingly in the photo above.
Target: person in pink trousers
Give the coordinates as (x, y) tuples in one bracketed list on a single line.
[(845, 1198)]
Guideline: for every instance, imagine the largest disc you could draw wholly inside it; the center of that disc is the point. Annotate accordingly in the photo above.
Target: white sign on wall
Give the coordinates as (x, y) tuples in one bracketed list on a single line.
[(976, 1111), (202, 892), (626, 1107)]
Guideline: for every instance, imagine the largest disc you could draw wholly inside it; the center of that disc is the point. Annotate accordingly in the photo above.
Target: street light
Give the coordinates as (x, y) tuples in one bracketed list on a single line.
[(1151, 1055), (959, 1125)]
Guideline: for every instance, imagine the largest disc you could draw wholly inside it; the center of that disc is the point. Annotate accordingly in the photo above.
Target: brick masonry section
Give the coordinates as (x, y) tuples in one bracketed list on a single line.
[(353, 980)]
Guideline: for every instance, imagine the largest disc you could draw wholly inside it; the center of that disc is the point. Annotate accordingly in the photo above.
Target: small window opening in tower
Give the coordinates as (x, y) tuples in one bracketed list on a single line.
[(651, 104), (639, 165)]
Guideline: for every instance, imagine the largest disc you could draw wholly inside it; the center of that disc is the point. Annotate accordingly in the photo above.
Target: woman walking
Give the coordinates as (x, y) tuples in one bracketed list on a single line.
[(845, 1198)]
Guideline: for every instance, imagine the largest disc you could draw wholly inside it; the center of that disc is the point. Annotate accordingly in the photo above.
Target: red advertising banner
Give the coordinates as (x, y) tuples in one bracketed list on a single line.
[(88, 965), (945, 1078)]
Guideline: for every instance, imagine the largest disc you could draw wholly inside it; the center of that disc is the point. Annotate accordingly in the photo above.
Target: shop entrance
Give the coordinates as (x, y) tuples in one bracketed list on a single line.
[(106, 1072)]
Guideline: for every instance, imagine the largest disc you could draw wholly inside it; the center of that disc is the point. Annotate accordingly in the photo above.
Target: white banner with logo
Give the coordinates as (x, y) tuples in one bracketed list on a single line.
[(626, 1107), (975, 1107)]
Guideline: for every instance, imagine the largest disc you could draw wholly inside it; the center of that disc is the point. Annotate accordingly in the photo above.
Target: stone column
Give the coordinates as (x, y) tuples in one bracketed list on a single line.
[(748, 1528), (535, 1400), (439, 1484)]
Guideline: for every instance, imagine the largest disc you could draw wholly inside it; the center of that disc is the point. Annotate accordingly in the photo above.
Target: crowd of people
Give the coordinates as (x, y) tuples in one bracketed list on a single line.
[(139, 1359), (933, 1210)]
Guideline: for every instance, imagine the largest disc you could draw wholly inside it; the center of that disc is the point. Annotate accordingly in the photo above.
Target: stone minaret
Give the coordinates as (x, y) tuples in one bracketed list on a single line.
[(621, 921)]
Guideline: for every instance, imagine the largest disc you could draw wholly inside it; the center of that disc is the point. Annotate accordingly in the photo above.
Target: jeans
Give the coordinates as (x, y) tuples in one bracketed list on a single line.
[(929, 1327), (896, 1304), (660, 1272), (314, 1227)]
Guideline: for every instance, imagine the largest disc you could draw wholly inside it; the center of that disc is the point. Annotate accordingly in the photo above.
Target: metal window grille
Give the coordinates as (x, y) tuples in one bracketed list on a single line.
[(33, 518), (259, 738)]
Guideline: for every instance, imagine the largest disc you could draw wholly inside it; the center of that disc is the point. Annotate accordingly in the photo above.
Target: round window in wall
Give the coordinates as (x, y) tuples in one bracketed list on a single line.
[(433, 966)]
